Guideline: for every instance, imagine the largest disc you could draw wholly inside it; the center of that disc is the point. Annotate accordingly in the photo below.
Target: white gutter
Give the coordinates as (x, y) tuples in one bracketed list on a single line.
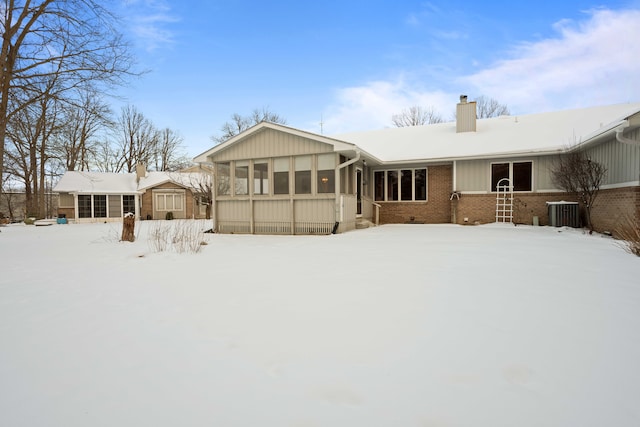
[(621, 138)]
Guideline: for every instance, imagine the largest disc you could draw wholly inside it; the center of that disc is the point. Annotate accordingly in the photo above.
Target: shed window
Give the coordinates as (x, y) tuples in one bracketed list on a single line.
[(281, 175), (303, 175), (167, 202)]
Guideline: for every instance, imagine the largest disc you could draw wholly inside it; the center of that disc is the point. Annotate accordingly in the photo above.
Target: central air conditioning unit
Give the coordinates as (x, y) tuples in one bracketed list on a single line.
[(564, 214)]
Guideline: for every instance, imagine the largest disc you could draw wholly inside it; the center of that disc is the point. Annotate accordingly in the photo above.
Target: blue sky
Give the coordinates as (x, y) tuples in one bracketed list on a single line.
[(353, 64)]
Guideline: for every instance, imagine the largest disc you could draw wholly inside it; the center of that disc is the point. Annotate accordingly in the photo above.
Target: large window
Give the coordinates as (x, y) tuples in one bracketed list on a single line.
[(326, 173), (303, 175), (520, 174), (281, 175), (401, 185), (260, 178)]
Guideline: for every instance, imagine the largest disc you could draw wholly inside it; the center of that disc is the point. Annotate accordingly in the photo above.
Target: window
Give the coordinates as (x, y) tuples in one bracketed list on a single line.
[(128, 204), (260, 178), (242, 178), (115, 207), (303, 175), (378, 178), (400, 185), (326, 173), (520, 174), (168, 202), (392, 185), (224, 179), (99, 206), (420, 184), (281, 175), (84, 206)]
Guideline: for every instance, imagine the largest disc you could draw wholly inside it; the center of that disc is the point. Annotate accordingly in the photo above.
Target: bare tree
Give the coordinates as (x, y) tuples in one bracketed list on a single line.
[(74, 40), (416, 116), (169, 154), (489, 107), (239, 123), (576, 173), (29, 133), (83, 121), (137, 141)]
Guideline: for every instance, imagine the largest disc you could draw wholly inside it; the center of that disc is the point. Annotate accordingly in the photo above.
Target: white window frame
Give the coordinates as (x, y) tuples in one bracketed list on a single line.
[(164, 196)]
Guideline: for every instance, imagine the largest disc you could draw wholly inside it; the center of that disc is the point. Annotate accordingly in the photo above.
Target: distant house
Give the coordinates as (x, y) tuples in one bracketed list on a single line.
[(277, 179), (97, 196)]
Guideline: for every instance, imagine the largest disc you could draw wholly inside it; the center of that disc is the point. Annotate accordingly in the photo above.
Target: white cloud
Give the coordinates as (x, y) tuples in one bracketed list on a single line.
[(371, 106), (591, 62), (148, 21)]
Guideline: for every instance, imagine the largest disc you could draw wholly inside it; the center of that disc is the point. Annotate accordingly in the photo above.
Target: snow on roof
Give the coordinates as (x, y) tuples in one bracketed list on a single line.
[(97, 182), (124, 183), (505, 135), (191, 180)]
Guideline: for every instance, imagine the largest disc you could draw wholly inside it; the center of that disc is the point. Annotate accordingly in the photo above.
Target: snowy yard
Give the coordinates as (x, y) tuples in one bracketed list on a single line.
[(405, 325)]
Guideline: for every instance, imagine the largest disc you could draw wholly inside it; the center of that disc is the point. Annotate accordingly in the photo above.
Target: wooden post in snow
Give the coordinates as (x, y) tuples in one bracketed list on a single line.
[(128, 228)]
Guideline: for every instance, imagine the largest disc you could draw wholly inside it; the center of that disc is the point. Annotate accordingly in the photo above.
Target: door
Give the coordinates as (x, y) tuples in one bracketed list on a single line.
[(358, 192)]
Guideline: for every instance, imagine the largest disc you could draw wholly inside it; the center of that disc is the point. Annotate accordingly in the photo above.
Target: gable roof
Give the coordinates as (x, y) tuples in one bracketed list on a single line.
[(338, 145), (499, 136)]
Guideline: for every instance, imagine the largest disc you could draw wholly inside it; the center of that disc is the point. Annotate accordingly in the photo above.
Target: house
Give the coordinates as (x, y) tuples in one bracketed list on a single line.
[(276, 179), (98, 196)]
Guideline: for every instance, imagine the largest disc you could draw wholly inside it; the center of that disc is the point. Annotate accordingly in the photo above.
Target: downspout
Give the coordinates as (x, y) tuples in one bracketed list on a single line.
[(621, 138), (337, 189)]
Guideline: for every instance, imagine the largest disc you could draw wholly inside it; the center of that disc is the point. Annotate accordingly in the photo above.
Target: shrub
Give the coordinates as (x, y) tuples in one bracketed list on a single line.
[(629, 231), (169, 216)]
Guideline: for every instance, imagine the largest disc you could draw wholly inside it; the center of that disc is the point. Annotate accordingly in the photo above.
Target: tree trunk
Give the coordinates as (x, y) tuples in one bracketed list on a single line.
[(128, 228)]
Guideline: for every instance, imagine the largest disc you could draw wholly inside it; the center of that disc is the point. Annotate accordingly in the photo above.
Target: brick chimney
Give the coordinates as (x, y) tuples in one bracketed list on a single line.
[(141, 171), (465, 115)]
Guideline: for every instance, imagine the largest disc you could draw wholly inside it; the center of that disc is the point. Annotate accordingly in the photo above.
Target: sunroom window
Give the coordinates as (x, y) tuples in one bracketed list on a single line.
[(281, 175), (326, 173), (242, 178), (223, 173), (303, 175), (261, 178)]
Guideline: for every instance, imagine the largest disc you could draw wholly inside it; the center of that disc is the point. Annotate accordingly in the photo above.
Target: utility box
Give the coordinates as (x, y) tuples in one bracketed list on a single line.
[(564, 214)]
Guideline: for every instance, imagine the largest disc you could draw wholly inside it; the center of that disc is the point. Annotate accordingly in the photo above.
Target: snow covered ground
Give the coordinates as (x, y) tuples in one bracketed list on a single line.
[(405, 325)]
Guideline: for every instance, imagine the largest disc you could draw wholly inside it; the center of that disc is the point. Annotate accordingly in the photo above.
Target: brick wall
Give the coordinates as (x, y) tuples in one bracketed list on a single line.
[(613, 207), (437, 209), (481, 208)]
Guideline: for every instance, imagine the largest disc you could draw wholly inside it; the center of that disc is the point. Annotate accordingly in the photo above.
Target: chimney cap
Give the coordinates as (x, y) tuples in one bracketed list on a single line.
[(463, 98)]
